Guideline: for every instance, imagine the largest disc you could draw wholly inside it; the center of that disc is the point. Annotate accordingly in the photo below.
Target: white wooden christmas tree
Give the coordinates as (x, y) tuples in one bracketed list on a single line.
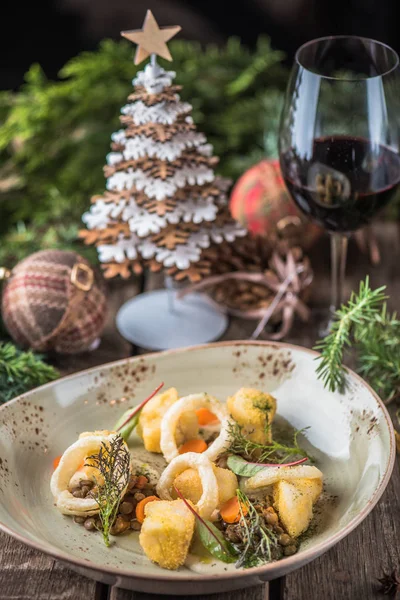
[(163, 207)]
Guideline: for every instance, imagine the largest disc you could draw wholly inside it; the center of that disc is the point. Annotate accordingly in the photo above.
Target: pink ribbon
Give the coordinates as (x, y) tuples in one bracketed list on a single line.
[(286, 277)]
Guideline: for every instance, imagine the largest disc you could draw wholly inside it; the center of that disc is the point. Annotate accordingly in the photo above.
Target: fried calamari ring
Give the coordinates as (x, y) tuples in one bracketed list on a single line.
[(271, 475), (87, 444), (170, 420), (208, 501)]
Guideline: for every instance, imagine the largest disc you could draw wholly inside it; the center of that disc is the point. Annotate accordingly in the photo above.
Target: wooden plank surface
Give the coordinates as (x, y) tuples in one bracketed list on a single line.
[(259, 592), (348, 571), (26, 574)]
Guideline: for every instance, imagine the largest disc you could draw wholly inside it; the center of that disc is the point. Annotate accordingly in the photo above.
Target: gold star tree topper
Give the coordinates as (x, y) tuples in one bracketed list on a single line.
[(151, 39)]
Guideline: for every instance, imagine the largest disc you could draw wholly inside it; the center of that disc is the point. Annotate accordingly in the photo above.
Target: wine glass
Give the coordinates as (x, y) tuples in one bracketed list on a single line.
[(339, 137)]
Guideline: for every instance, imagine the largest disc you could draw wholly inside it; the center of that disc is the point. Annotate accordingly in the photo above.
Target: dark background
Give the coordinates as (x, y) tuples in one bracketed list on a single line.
[(52, 31)]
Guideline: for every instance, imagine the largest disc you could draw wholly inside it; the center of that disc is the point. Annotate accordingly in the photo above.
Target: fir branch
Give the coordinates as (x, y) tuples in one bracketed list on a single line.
[(360, 311), (275, 452), (21, 371), (377, 345), (113, 464)]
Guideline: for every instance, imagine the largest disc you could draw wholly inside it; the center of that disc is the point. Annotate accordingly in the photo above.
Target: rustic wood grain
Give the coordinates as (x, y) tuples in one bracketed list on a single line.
[(346, 572), (350, 569), (26, 574), (259, 592)]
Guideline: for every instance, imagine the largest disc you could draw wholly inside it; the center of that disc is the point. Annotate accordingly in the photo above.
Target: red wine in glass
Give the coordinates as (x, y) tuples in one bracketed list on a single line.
[(339, 141), (345, 181)]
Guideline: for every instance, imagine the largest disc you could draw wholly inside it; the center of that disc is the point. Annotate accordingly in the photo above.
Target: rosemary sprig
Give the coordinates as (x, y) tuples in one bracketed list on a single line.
[(275, 452), (360, 311), (113, 463), (377, 346), (258, 540)]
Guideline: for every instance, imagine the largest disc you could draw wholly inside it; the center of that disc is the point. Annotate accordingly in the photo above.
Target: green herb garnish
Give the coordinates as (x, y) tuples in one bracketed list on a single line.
[(259, 543), (241, 467), (274, 452), (113, 463)]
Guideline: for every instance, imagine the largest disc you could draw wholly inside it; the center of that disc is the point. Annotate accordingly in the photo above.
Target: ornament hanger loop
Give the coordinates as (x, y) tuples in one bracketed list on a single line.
[(78, 270), (4, 273)]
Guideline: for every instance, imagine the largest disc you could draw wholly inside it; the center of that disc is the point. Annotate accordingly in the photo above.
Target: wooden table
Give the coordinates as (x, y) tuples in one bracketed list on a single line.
[(347, 572)]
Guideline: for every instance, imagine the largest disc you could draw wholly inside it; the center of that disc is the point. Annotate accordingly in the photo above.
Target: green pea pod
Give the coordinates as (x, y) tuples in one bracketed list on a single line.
[(128, 428), (213, 541)]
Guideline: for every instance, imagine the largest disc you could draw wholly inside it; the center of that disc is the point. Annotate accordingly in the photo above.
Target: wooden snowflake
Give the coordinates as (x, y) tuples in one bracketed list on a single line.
[(194, 273), (159, 207), (170, 237)]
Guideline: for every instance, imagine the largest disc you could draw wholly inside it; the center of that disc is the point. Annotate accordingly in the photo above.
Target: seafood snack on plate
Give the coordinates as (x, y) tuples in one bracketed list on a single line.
[(209, 478)]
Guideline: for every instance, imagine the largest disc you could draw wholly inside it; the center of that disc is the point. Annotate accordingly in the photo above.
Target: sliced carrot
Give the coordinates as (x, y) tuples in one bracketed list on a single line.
[(81, 465), (206, 417), (140, 507), (230, 511), (56, 462), (195, 445)]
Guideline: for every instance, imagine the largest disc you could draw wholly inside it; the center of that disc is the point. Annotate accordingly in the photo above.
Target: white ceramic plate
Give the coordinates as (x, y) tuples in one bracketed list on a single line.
[(349, 435)]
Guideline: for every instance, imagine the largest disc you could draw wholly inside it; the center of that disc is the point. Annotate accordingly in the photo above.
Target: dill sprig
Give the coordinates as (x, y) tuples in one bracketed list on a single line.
[(274, 452), (359, 312), (258, 541), (113, 463)]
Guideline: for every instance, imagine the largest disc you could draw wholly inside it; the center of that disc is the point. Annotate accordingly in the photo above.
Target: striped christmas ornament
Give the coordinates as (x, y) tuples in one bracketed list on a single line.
[(54, 301), (262, 204)]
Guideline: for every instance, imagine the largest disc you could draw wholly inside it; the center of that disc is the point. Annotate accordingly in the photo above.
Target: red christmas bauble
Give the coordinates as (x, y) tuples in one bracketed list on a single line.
[(262, 204)]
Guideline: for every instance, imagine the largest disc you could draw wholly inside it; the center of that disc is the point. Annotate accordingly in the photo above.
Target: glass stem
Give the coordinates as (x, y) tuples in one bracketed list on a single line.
[(339, 244), (171, 293)]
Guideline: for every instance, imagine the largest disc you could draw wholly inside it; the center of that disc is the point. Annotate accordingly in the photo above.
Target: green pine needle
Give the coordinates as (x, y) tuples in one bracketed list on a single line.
[(21, 371), (358, 314), (378, 346)]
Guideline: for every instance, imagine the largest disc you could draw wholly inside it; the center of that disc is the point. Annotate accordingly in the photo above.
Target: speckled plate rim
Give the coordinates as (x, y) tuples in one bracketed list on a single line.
[(290, 562)]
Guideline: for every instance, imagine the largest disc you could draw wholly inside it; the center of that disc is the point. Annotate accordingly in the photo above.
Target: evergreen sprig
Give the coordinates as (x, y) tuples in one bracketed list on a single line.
[(377, 345), (21, 371), (364, 324), (360, 311)]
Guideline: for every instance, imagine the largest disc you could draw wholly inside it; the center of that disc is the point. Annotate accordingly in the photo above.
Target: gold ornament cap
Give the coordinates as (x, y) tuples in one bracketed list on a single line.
[(4, 273)]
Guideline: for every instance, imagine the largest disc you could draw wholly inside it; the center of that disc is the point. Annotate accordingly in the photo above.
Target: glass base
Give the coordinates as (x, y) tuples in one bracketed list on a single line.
[(159, 321)]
